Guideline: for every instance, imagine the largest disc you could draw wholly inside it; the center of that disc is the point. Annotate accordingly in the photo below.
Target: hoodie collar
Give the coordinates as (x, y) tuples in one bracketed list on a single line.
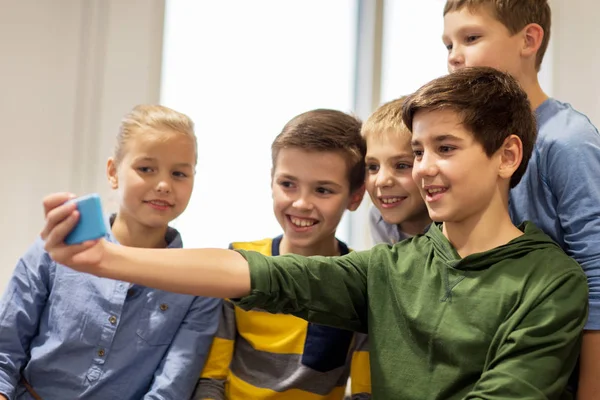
[(532, 239)]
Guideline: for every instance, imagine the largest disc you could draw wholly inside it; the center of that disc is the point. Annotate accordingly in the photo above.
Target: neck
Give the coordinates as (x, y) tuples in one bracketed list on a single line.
[(483, 231), (415, 226), (534, 91), (133, 234), (329, 247)]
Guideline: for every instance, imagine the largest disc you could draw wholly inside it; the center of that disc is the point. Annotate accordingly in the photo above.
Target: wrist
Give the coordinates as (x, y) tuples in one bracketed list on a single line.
[(109, 259)]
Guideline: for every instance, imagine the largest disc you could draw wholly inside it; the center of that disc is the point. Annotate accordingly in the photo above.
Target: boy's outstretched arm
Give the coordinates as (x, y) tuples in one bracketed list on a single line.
[(203, 272), (325, 290)]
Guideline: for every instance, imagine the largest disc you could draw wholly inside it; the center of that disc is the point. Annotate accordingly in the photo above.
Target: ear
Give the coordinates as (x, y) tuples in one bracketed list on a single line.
[(356, 198), (111, 173), (533, 34), (511, 155)]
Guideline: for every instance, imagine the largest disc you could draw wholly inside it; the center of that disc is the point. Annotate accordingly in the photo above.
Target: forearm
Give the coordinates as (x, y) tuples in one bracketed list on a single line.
[(200, 272), (589, 367)]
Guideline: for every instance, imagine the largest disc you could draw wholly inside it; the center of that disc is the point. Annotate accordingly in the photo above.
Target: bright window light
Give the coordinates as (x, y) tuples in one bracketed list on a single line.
[(241, 70)]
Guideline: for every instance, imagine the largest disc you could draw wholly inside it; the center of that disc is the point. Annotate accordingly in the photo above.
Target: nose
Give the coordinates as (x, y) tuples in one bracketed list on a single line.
[(384, 178), (425, 166), (163, 186), (456, 59), (303, 202)]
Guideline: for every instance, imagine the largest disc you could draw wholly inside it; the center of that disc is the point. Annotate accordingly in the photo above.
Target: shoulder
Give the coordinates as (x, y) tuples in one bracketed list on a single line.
[(546, 256), (563, 126), (403, 251), (36, 255)]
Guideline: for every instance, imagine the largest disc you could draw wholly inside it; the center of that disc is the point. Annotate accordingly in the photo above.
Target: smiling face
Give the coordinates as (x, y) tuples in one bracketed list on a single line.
[(475, 38), (458, 180), (154, 179), (390, 184), (311, 191)]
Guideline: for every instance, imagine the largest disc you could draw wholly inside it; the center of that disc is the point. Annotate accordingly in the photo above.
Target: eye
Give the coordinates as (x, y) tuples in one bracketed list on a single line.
[(445, 149), (145, 170), (322, 190), (448, 46), (372, 168), (179, 174), (286, 184), (403, 165), (471, 38), (418, 153)]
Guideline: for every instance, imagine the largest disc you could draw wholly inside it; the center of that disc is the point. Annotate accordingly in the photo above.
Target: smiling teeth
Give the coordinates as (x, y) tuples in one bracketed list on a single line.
[(437, 190), (301, 222), (391, 200), (159, 203)]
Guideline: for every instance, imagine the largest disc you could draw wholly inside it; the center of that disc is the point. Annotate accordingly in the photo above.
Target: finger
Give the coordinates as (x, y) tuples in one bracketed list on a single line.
[(66, 252), (57, 215), (74, 256), (56, 199), (82, 258), (68, 255), (56, 236)]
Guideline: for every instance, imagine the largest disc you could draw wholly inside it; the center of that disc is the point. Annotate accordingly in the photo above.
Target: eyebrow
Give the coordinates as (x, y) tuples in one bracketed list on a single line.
[(462, 29), (293, 178), (439, 138), (152, 159)]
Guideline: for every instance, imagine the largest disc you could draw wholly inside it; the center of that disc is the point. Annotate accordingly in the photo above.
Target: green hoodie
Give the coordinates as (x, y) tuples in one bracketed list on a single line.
[(503, 324)]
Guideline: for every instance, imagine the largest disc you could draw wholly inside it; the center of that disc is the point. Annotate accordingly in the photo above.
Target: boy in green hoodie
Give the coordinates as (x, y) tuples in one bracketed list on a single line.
[(474, 308)]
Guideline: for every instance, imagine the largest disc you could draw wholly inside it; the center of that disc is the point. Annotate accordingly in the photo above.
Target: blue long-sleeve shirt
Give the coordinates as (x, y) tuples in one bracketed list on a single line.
[(77, 336), (560, 192)]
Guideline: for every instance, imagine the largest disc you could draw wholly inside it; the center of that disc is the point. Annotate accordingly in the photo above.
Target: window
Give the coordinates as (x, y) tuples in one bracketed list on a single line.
[(241, 70), (413, 53)]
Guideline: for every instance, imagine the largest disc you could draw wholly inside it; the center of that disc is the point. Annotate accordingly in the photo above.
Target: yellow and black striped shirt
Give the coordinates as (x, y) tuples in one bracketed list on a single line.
[(258, 355)]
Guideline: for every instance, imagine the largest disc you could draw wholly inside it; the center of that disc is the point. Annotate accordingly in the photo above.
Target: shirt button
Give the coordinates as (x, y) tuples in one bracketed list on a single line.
[(101, 353), (112, 319), (164, 307)]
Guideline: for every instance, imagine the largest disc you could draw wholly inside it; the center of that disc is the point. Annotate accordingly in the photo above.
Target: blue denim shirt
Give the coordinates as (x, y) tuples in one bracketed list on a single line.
[(560, 191), (77, 336)]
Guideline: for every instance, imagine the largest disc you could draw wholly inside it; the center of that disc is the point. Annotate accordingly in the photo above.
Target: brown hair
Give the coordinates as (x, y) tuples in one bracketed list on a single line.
[(326, 130), (153, 119), (490, 103), (387, 119), (515, 15)]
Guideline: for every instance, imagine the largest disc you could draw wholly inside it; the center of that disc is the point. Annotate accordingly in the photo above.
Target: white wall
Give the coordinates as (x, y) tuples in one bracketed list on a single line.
[(576, 61), (70, 69)]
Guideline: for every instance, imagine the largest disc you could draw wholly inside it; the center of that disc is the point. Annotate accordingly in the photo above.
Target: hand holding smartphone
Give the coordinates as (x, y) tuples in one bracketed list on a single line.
[(91, 220)]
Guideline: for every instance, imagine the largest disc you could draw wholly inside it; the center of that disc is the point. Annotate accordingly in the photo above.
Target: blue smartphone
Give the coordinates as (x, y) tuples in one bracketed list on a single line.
[(91, 220)]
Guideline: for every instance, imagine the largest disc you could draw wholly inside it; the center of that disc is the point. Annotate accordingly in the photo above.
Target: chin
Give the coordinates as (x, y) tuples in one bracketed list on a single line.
[(438, 216), (392, 220)]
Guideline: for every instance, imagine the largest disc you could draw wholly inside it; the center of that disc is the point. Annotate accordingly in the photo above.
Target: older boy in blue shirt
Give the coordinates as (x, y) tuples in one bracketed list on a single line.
[(560, 191)]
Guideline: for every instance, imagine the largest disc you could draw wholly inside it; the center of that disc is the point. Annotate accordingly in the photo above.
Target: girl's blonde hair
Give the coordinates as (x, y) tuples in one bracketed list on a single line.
[(152, 119)]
